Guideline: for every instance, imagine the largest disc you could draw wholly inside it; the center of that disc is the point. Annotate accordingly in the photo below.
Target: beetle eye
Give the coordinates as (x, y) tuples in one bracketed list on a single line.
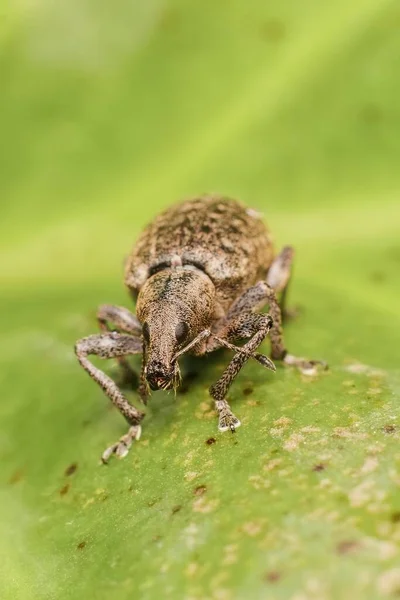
[(146, 332), (181, 332)]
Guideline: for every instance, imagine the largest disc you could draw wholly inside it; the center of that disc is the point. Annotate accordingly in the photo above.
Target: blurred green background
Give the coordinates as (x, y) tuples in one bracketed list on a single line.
[(110, 112)]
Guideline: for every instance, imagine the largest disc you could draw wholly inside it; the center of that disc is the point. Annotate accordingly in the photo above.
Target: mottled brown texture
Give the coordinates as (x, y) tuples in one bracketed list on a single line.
[(220, 236), (199, 272)]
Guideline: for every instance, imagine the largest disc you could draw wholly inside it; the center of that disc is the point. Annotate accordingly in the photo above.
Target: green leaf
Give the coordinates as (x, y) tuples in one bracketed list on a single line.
[(107, 116)]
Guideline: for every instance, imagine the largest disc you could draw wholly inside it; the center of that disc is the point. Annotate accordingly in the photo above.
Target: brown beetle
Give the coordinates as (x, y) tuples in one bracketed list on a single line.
[(199, 272)]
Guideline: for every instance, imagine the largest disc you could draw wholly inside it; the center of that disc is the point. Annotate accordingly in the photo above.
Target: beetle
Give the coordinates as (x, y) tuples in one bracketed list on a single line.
[(198, 274)]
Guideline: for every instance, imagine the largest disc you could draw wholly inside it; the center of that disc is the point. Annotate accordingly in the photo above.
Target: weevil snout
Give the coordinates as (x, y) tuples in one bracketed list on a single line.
[(159, 376), (173, 306)]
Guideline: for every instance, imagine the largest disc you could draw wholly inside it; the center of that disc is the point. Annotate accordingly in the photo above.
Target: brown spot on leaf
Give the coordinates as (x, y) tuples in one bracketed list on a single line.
[(347, 546), (64, 490), (318, 467), (16, 477), (71, 469), (81, 545), (176, 509), (199, 490), (389, 428), (272, 576), (395, 517), (211, 441), (247, 391)]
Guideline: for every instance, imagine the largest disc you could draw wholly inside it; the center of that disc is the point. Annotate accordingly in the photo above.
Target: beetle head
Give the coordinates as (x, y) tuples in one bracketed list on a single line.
[(173, 306)]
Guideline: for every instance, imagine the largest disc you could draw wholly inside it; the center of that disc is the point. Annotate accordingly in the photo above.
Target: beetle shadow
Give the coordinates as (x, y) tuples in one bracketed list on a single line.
[(191, 369), (206, 370)]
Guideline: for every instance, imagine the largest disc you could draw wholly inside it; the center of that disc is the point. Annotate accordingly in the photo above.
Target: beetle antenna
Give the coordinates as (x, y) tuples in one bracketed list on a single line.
[(177, 377)]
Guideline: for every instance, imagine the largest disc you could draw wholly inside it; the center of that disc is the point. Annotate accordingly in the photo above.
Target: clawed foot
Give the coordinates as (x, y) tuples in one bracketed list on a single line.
[(227, 420), (307, 367), (121, 448)]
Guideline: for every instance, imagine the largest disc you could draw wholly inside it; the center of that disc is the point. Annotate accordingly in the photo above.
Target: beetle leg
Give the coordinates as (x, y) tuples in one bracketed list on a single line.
[(261, 358), (112, 345), (111, 317), (227, 419), (252, 299), (121, 448), (255, 298), (279, 277), (242, 327), (120, 317), (144, 390)]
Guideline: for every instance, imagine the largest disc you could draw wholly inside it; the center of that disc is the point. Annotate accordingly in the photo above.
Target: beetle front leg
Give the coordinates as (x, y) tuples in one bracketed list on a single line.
[(112, 345), (255, 298), (227, 419), (110, 318)]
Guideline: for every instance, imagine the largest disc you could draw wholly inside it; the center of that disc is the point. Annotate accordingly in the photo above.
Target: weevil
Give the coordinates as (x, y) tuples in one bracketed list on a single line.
[(198, 274)]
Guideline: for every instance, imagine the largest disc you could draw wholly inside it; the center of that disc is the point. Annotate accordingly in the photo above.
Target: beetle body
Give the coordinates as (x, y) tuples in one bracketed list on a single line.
[(198, 273), (219, 236)]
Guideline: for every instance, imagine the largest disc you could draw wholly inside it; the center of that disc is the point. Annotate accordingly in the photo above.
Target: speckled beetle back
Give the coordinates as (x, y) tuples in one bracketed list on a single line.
[(219, 236)]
